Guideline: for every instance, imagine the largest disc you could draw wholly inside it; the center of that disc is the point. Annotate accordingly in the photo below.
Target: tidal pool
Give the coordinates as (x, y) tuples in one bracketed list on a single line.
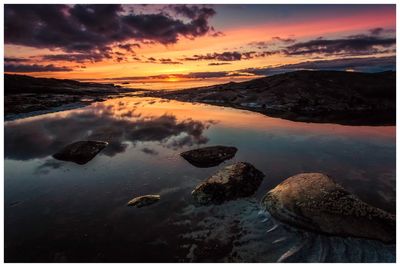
[(58, 211)]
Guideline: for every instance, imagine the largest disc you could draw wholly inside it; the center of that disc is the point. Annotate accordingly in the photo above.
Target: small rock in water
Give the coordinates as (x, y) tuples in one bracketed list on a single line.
[(238, 180), (80, 152), (209, 156), (315, 202), (144, 200)]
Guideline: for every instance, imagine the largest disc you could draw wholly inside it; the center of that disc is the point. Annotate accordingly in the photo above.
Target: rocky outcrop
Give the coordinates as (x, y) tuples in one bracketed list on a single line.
[(26, 94), (143, 200), (234, 181), (310, 96), (315, 202), (80, 152), (209, 156)]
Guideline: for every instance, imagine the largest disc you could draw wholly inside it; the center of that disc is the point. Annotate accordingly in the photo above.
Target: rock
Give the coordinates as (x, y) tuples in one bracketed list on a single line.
[(144, 200), (315, 202), (234, 181), (80, 152), (209, 156)]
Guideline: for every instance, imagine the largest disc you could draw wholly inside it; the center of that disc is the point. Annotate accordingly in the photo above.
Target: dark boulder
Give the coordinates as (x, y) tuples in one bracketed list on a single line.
[(80, 152), (143, 200), (234, 181), (315, 202), (209, 156)]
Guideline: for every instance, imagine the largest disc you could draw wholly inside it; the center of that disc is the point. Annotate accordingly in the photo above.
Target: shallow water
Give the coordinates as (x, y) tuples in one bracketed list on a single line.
[(64, 212)]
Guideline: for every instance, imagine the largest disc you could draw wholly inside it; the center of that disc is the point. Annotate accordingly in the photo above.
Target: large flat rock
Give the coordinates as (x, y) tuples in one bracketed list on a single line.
[(313, 201), (80, 152), (209, 156), (234, 181)]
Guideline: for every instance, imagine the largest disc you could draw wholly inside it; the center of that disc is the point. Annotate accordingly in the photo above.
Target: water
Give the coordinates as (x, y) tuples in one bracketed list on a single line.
[(64, 212)]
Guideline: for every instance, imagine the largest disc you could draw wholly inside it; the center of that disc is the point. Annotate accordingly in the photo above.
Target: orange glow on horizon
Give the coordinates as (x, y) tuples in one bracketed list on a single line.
[(236, 38)]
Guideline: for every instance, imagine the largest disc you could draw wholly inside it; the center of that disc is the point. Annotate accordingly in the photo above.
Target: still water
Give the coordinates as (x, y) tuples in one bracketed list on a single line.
[(59, 211)]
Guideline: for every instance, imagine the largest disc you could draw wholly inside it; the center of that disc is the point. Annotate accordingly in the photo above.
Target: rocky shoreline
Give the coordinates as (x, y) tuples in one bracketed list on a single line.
[(307, 96), (25, 95)]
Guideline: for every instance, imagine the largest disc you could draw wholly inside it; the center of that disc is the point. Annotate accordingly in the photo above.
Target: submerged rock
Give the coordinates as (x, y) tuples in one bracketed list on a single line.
[(144, 200), (209, 156), (314, 202), (80, 152), (238, 180)]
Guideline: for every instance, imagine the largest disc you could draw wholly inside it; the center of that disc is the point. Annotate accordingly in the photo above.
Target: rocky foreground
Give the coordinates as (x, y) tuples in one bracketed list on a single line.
[(313, 201), (311, 96), (310, 201), (25, 94)]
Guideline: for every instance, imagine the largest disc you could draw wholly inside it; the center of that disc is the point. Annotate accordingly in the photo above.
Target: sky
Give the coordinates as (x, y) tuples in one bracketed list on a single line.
[(181, 46)]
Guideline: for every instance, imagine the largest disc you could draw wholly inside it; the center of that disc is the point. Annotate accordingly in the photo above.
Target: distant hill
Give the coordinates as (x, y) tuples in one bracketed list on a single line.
[(17, 84), (26, 94), (312, 96)]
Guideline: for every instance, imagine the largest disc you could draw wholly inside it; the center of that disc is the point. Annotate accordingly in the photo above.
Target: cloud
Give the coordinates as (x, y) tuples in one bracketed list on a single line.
[(193, 12), (259, 44), (380, 31), (97, 28), (376, 31), (369, 64), (129, 47), (34, 68), (16, 60), (218, 63), (149, 151), (224, 56), (284, 40), (76, 57), (168, 61), (352, 45)]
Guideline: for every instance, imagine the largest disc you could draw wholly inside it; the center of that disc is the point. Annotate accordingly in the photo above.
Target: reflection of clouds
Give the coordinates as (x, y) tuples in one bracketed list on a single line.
[(149, 151), (49, 164), (115, 123)]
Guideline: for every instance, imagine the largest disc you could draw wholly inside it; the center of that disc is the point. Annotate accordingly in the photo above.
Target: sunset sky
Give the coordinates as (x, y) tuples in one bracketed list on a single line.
[(177, 46)]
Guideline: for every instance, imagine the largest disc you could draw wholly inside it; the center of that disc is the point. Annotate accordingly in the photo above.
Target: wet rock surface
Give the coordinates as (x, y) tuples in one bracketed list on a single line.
[(143, 200), (313, 201), (209, 156), (80, 152), (234, 181)]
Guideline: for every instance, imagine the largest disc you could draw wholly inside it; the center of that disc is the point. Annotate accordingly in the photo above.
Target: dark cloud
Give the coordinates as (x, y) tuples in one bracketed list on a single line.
[(284, 40), (380, 31), (168, 61), (193, 12), (96, 28), (218, 63), (34, 68), (376, 31), (224, 56), (259, 45), (77, 57), (16, 60), (352, 45), (208, 74), (370, 64), (129, 47)]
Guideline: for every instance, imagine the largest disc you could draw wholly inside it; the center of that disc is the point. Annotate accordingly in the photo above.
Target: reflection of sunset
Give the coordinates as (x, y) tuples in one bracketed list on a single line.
[(134, 108)]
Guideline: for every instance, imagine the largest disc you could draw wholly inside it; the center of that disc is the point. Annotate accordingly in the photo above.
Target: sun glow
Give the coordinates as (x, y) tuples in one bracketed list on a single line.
[(172, 79)]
